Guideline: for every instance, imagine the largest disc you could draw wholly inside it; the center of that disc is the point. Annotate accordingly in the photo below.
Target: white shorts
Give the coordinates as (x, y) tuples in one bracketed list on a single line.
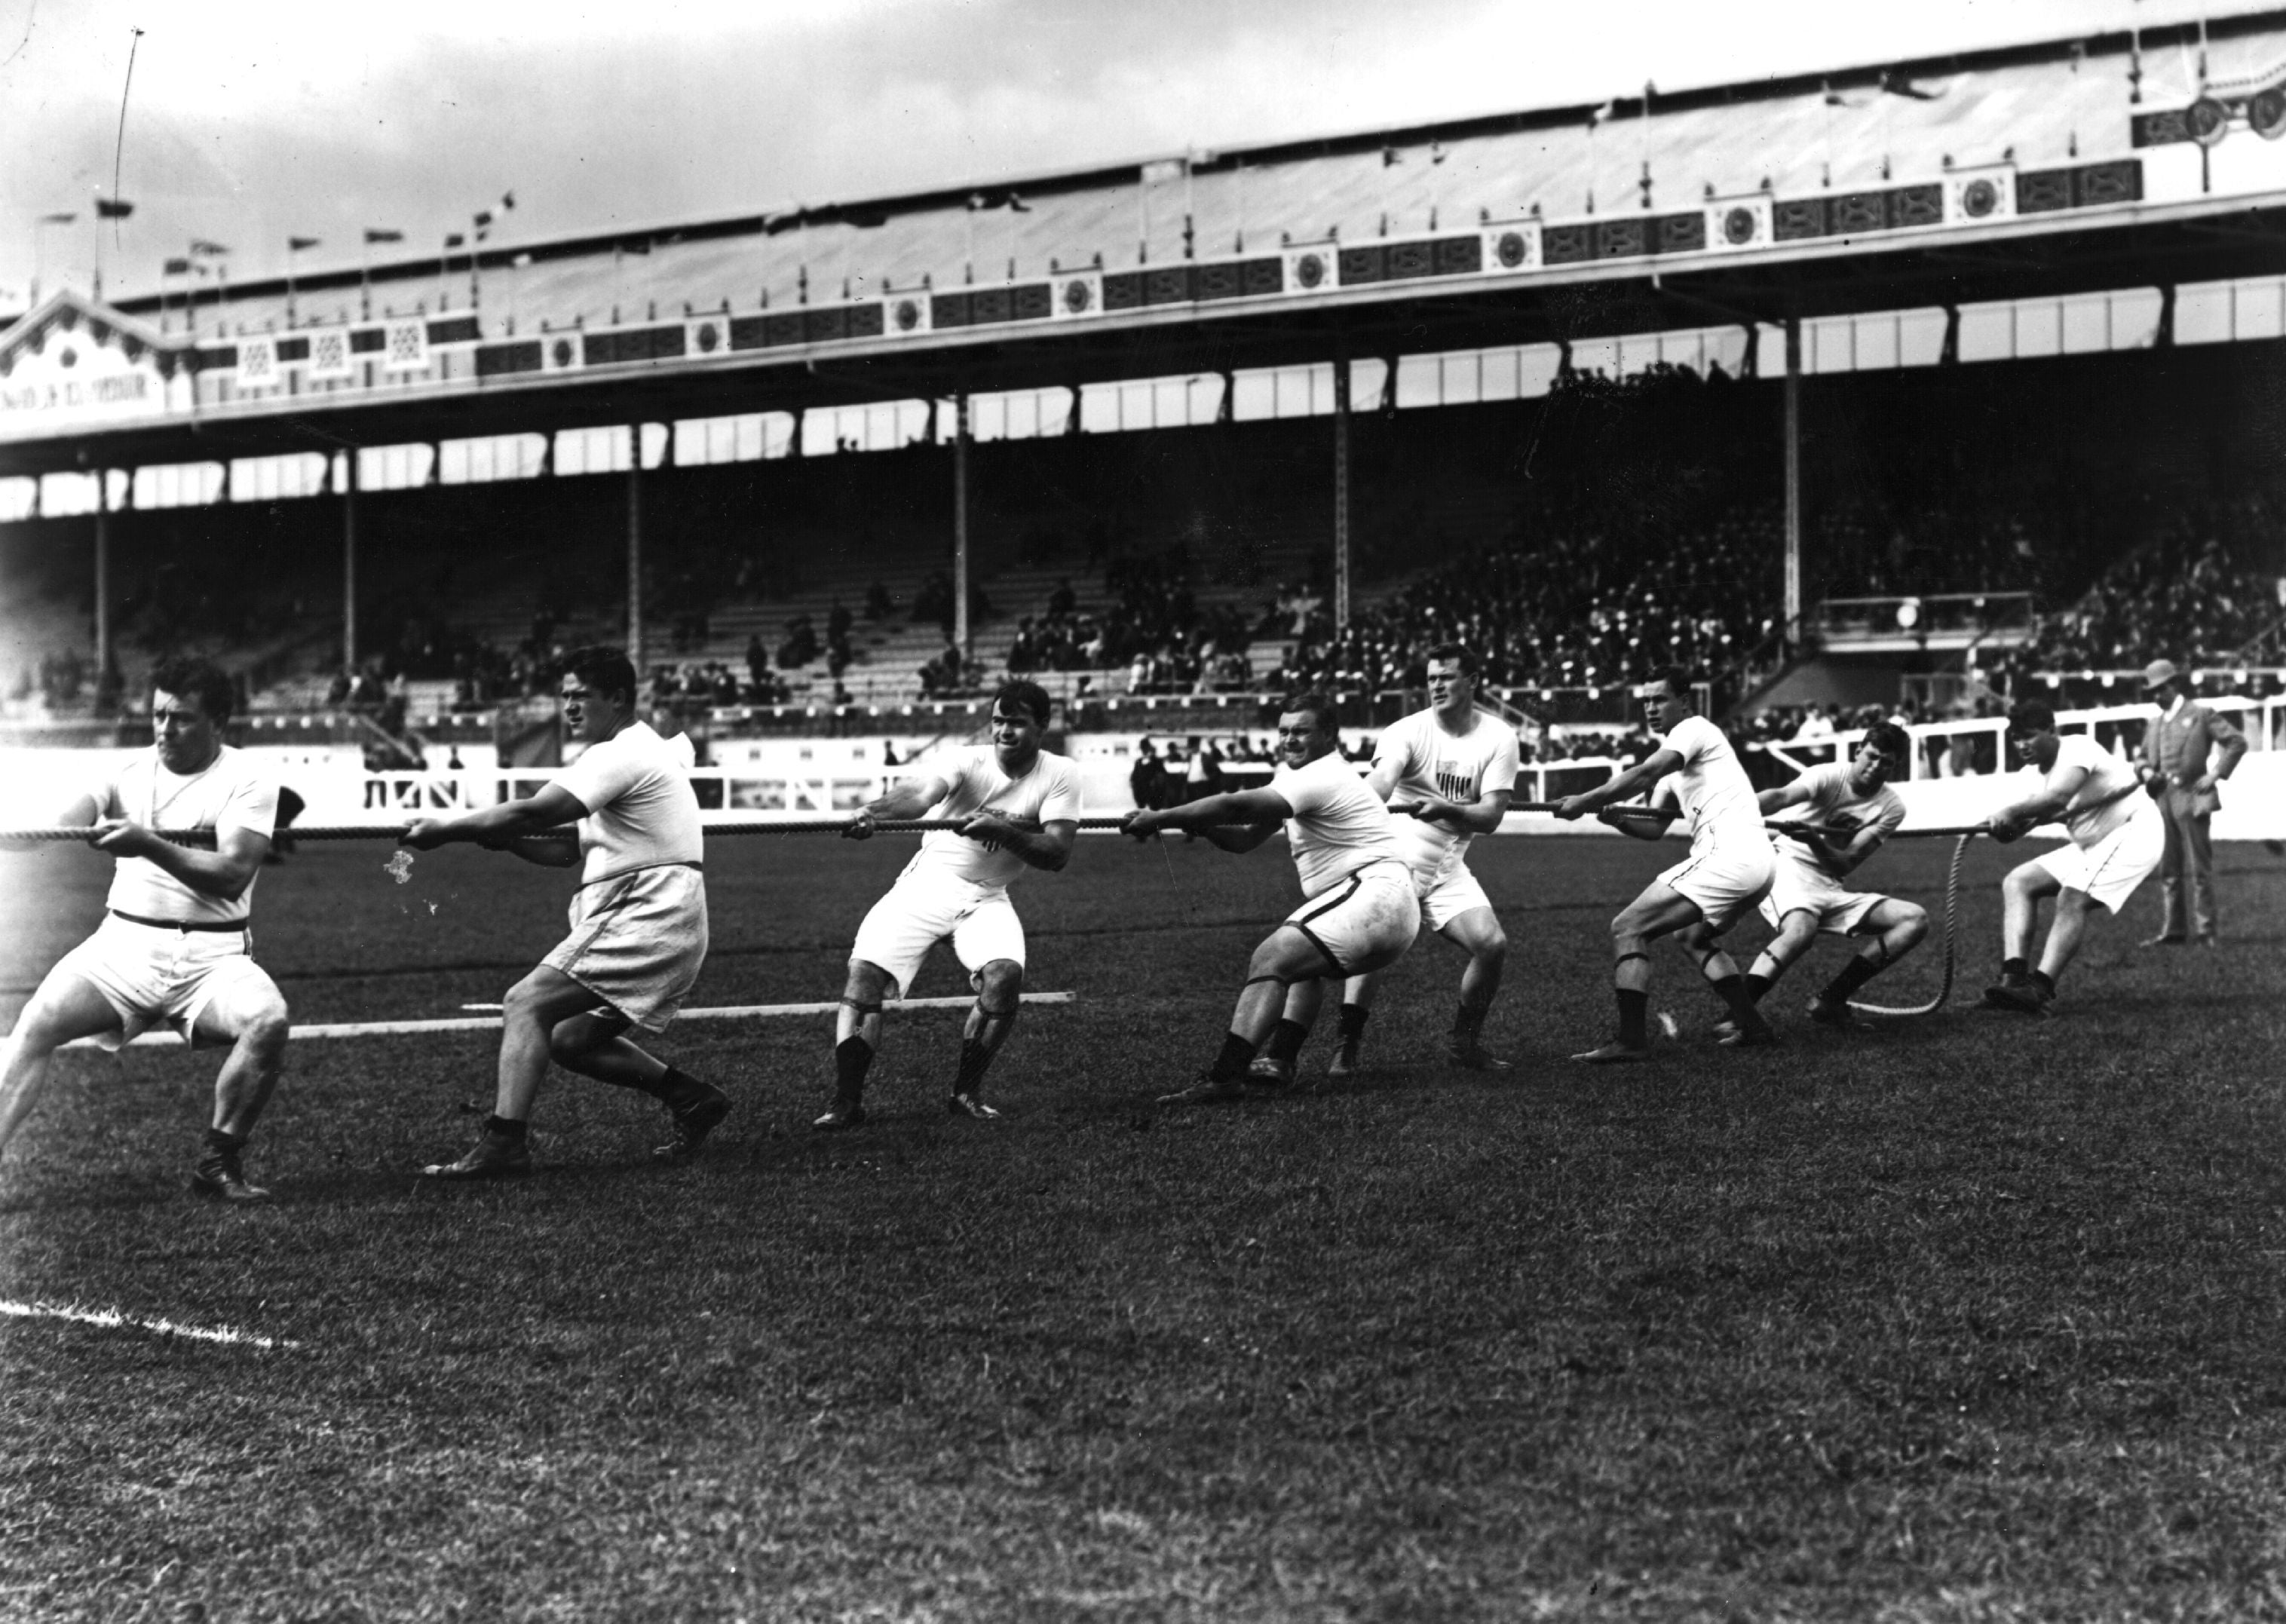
[(2111, 869), (1445, 899), (637, 942), (1799, 885), (923, 910), (1364, 920), (154, 975), (1723, 882)]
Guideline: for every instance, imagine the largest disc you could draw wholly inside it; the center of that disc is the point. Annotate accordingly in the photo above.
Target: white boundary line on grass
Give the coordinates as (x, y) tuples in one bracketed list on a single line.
[(491, 1023), (112, 1319)]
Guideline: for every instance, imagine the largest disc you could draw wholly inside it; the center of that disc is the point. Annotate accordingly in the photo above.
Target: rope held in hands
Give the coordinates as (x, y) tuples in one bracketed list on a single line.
[(1966, 833), (393, 831)]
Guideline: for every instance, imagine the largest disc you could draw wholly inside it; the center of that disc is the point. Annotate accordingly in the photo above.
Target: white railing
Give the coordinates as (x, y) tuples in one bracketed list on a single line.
[(1960, 752)]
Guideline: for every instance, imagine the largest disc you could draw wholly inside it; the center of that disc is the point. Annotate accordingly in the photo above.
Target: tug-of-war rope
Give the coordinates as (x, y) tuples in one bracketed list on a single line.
[(836, 826)]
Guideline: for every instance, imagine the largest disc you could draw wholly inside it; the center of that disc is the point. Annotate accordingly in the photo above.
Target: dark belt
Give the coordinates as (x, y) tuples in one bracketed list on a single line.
[(231, 926)]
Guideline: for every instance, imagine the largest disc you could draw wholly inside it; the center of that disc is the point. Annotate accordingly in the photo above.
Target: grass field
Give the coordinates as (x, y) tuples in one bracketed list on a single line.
[(1968, 1318)]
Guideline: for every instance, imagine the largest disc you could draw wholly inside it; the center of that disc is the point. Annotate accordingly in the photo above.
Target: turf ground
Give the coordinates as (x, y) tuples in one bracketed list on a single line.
[(1967, 1318)]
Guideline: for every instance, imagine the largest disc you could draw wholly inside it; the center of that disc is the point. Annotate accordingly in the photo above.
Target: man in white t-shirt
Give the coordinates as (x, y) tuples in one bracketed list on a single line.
[(1826, 822), (2118, 835), (638, 919), (176, 947), (1360, 911), (1018, 808), (1729, 871), (1447, 774)]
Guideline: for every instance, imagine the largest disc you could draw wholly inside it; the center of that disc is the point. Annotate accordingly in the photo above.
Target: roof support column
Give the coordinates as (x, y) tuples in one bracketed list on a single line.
[(1792, 631), (102, 572), (1342, 490), (349, 558), (634, 550), (960, 627)]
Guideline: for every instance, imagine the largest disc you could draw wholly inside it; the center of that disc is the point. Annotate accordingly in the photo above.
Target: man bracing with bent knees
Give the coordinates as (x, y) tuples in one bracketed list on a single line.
[(2118, 835), (1728, 872), (1827, 822), (176, 947), (638, 919), (1018, 809), (1361, 912)]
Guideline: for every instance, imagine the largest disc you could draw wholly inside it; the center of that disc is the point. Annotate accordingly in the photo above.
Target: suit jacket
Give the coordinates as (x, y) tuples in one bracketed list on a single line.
[(2176, 750)]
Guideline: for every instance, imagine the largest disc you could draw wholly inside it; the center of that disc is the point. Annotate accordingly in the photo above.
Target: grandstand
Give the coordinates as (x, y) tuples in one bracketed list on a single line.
[(1703, 374)]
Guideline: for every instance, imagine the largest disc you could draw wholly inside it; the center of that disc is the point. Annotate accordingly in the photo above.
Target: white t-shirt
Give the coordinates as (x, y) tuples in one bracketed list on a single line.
[(640, 810), (2085, 818), (1835, 802), (231, 794), (974, 783), (1339, 824), (1717, 795), (1461, 767)]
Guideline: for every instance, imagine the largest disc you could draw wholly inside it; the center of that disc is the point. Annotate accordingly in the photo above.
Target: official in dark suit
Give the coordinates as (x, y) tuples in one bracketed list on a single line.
[(2187, 751)]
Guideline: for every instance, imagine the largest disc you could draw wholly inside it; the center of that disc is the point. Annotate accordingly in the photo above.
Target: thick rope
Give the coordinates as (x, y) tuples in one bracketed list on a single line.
[(394, 831), (817, 825), (1952, 920)]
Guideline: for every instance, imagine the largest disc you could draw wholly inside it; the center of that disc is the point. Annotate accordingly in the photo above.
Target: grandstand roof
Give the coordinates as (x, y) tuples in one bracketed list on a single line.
[(2064, 166)]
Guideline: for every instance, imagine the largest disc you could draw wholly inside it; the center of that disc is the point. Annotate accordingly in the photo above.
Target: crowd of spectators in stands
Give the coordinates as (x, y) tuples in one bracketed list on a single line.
[(1645, 534), (2208, 587), (1154, 628)]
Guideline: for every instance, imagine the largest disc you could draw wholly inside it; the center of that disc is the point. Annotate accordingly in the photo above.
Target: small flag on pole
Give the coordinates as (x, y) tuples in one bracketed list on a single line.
[(295, 244), (455, 239), (58, 219), (176, 267), (508, 200), (373, 234), (200, 245), (113, 208)]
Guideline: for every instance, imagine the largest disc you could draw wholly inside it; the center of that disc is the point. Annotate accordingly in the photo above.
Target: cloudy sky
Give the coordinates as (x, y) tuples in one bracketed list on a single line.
[(249, 120)]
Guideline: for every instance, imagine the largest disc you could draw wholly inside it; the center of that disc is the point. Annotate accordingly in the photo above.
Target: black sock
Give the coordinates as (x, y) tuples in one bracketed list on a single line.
[(1352, 1018), (1237, 1054), (1467, 1023), (1635, 1013), (2013, 969), (1286, 1041), (974, 1057), (1757, 985), (501, 1127), (679, 1089), (1854, 974), (853, 1056), (1732, 990), (225, 1144), (2044, 981)]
